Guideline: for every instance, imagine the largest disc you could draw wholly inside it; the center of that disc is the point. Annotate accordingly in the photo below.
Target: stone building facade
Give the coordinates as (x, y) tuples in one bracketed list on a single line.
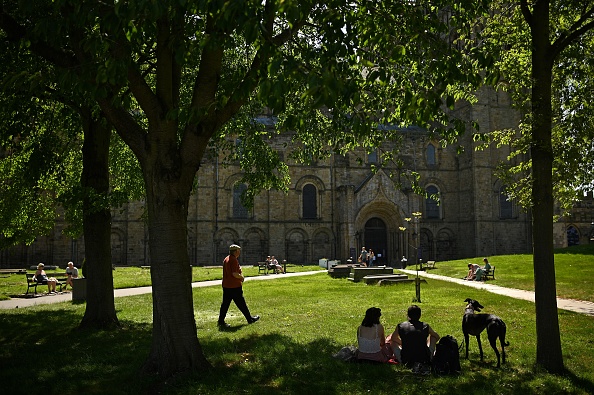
[(335, 207)]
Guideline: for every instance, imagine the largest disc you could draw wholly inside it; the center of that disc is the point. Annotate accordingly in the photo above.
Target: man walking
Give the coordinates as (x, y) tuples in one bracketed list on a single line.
[(232, 288)]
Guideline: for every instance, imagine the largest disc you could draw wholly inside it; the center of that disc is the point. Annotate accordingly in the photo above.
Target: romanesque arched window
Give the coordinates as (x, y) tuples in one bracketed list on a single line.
[(573, 236), (431, 204), (430, 155), (310, 201), (506, 209), (239, 210)]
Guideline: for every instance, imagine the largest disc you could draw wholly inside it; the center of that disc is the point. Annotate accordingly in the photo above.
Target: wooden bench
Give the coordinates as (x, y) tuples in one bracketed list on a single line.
[(428, 265), (263, 267), (33, 284), (489, 274)]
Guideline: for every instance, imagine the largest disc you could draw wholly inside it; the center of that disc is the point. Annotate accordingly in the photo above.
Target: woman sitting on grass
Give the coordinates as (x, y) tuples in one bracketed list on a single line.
[(372, 338), (472, 269)]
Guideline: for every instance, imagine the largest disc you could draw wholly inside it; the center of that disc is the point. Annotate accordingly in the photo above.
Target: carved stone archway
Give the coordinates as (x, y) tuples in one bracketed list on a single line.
[(393, 244)]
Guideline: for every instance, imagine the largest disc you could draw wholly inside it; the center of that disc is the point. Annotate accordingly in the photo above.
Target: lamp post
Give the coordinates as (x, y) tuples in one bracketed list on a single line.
[(415, 216), (405, 248)]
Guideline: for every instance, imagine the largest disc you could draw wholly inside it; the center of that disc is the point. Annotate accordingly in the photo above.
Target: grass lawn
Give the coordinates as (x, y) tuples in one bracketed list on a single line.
[(574, 271), (289, 351), (15, 285)]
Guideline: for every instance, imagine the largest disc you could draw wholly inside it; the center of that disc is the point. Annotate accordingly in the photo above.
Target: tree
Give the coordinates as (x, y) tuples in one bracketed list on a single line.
[(557, 133), (41, 171), (172, 77)]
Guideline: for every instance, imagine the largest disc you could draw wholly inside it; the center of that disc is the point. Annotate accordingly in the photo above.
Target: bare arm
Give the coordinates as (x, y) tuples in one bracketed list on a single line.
[(382, 335), (395, 339), (433, 334), (238, 275)]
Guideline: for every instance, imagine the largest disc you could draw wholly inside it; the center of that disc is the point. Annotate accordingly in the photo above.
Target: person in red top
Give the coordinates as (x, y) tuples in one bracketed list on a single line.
[(232, 288)]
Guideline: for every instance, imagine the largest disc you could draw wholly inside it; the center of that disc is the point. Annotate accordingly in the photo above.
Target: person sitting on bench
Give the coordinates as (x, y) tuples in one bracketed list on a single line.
[(275, 265), (71, 272), (41, 277), (481, 272)]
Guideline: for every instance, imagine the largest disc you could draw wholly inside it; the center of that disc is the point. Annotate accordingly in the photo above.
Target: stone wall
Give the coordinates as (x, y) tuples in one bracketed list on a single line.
[(356, 207)]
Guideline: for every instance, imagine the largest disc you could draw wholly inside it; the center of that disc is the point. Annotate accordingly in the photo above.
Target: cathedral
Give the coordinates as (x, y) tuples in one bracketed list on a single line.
[(337, 206)]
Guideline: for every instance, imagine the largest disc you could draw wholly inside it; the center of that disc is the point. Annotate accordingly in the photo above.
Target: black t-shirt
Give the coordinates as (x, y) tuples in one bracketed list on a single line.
[(414, 342)]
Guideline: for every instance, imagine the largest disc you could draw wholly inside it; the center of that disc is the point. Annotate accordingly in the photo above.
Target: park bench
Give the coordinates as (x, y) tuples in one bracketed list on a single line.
[(489, 274), (428, 265), (263, 267), (33, 284)]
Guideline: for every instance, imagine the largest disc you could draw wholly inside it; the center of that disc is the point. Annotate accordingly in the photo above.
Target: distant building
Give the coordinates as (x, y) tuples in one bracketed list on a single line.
[(336, 206)]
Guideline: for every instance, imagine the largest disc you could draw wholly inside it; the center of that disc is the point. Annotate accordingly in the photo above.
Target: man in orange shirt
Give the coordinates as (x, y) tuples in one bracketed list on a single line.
[(232, 288)]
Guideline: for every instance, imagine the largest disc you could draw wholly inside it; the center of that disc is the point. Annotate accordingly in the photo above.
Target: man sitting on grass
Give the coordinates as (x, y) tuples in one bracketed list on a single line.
[(413, 341)]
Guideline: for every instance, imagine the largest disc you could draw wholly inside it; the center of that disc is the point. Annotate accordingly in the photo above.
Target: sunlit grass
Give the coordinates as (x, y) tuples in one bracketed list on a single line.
[(304, 321), (15, 285), (574, 271)]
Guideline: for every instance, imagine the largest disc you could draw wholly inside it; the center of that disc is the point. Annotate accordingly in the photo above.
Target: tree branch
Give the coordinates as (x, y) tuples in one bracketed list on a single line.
[(577, 30), (526, 12), (16, 32)]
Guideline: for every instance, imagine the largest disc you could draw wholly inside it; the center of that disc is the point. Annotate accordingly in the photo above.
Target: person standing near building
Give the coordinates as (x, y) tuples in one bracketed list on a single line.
[(363, 256), (233, 288), (371, 258)]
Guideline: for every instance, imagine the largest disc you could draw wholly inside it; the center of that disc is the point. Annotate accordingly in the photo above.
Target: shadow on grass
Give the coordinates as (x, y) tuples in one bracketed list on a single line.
[(43, 352), (587, 249), (277, 364)]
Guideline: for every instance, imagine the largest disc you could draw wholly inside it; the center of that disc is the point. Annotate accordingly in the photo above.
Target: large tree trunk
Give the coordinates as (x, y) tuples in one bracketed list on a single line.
[(175, 347), (548, 338), (100, 309)]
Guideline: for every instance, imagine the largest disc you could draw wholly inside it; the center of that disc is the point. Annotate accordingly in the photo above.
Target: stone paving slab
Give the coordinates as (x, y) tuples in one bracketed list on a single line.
[(578, 306)]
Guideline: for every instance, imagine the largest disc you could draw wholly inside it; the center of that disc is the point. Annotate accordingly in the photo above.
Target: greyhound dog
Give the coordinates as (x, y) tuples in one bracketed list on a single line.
[(473, 324)]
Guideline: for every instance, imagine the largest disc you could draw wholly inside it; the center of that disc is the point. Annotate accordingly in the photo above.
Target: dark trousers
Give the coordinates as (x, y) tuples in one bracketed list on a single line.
[(235, 295)]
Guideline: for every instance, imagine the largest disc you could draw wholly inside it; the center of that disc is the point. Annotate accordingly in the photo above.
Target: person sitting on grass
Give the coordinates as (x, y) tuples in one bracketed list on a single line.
[(41, 277), (372, 338), (472, 268), (413, 341)]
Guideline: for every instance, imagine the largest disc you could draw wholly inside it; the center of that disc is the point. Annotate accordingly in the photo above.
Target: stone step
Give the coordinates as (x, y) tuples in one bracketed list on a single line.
[(399, 281), (357, 273), (339, 271), (375, 278)]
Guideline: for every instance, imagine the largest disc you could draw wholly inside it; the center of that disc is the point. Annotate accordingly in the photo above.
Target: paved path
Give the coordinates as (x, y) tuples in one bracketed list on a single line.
[(16, 303), (577, 306)]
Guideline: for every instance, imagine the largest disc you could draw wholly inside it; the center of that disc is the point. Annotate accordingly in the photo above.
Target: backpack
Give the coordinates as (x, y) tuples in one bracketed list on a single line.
[(447, 356), (347, 354)]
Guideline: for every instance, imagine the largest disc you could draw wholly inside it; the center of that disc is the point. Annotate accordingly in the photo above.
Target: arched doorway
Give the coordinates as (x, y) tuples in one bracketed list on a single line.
[(376, 239), (573, 236)]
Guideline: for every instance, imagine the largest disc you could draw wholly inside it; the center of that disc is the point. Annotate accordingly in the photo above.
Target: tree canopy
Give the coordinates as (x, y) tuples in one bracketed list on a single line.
[(544, 53), (172, 77)]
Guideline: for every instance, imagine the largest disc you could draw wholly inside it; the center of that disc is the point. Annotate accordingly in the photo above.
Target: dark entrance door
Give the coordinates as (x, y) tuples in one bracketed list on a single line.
[(376, 239)]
